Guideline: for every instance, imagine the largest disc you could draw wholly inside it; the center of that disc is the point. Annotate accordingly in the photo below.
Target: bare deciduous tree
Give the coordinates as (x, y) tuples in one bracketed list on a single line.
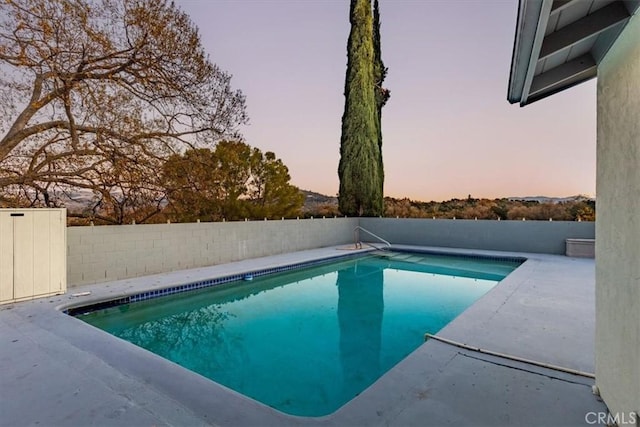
[(95, 94)]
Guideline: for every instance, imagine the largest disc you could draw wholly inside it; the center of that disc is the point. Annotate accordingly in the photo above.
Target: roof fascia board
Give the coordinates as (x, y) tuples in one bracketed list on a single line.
[(542, 19), (526, 26)]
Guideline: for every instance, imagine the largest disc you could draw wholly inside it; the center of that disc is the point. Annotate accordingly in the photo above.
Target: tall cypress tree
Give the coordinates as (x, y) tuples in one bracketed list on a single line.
[(360, 191), (381, 94)]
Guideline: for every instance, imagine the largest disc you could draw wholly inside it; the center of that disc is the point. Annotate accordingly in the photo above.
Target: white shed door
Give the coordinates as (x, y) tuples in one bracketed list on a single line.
[(32, 253)]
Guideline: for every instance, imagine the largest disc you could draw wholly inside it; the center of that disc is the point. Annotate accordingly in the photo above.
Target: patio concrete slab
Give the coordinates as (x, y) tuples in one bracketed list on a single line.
[(57, 370), (478, 390)]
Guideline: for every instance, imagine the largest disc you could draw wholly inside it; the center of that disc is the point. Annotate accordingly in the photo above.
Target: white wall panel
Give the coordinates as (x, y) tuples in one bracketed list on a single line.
[(6, 258), (23, 254), (32, 253)]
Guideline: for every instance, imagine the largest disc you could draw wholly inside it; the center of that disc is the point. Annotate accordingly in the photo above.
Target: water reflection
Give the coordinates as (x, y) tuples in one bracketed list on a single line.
[(179, 335), (360, 312)]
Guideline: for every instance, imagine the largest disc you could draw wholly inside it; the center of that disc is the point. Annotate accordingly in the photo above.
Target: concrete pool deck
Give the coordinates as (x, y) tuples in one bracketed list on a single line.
[(56, 370)]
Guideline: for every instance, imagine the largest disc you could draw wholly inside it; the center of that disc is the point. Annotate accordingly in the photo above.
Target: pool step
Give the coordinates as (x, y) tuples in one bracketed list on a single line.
[(390, 255), (399, 256)]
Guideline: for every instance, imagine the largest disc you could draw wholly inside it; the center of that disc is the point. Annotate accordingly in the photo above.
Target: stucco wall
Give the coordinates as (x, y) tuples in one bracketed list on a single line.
[(618, 224), (518, 236), (97, 254)]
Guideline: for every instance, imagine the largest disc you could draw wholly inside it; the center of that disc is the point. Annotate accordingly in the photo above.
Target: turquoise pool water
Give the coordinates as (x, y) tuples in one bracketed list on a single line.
[(306, 342)]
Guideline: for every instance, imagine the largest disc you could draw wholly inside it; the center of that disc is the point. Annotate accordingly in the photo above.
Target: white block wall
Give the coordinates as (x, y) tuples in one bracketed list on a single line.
[(103, 253), (546, 237)]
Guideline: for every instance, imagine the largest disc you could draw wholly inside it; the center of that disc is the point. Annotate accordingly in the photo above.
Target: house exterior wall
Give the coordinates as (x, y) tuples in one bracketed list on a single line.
[(618, 226)]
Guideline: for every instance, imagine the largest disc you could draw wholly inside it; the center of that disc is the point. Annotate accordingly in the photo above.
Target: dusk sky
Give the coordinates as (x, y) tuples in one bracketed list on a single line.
[(448, 130)]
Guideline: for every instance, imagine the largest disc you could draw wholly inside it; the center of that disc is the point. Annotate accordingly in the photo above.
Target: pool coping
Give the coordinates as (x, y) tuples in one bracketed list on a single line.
[(137, 295), (201, 399)]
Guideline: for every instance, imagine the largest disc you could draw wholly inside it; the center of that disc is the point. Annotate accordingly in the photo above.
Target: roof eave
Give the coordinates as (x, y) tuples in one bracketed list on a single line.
[(533, 47), (526, 46)]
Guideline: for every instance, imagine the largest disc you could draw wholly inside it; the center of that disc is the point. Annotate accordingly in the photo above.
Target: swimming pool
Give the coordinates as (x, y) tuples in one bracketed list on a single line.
[(307, 341)]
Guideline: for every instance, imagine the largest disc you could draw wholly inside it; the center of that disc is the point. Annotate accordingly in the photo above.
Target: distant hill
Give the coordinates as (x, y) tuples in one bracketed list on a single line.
[(313, 199), (319, 204), (545, 199)]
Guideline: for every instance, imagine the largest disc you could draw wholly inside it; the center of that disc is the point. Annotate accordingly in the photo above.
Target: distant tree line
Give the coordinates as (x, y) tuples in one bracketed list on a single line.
[(472, 208), (504, 209)]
